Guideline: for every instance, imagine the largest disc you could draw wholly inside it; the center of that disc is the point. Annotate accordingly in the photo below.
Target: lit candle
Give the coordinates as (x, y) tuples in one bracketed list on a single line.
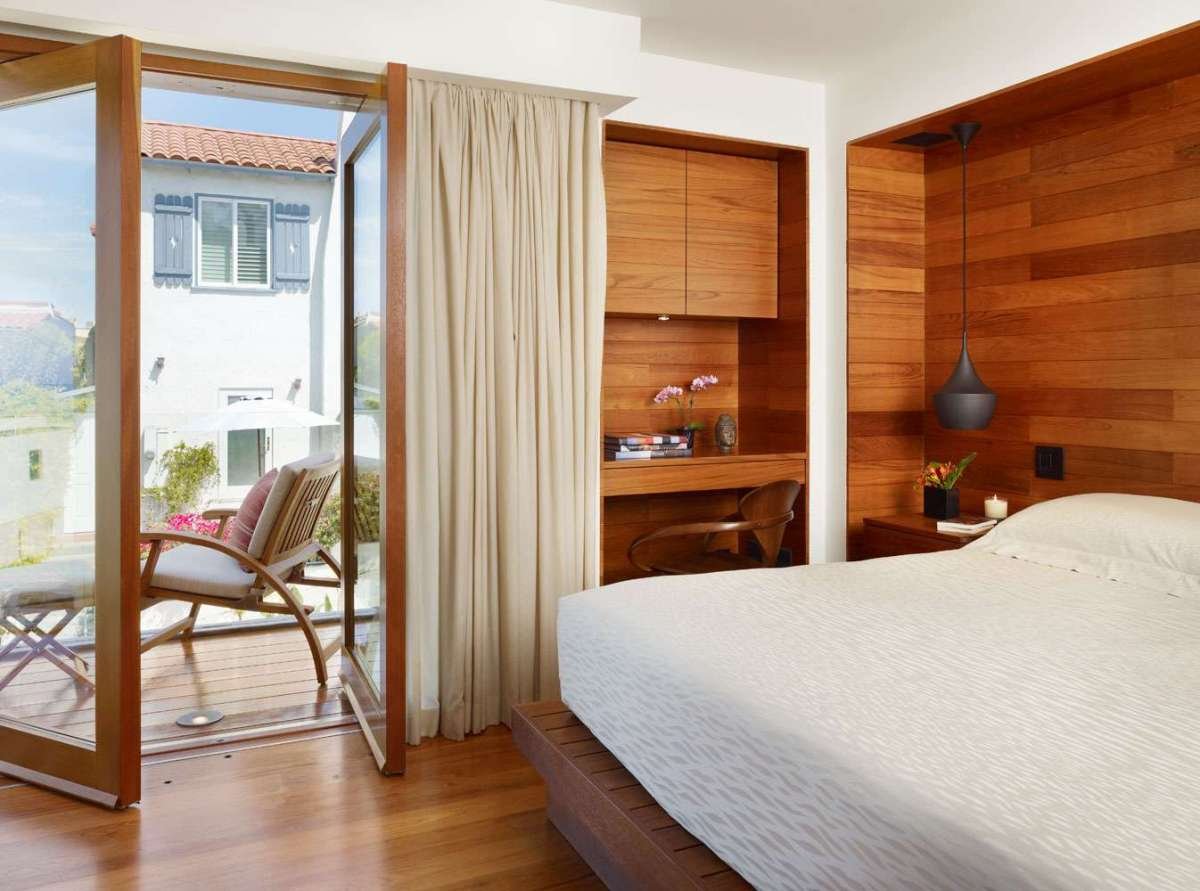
[(995, 508)]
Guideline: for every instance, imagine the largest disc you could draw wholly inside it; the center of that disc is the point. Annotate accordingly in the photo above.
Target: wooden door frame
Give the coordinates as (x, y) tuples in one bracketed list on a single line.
[(394, 103), (108, 771), (383, 720)]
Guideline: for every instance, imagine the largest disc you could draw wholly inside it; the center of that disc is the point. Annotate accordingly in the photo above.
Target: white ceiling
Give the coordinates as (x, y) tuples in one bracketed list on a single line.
[(809, 39)]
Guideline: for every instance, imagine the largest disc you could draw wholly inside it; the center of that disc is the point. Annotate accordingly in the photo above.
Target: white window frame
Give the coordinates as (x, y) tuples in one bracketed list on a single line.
[(233, 201)]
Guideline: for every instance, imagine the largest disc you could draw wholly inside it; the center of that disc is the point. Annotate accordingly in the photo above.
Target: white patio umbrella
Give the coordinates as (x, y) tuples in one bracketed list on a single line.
[(256, 414)]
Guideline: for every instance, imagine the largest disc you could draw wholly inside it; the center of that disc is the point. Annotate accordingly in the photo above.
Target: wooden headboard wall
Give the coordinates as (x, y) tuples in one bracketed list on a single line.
[(1084, 301)]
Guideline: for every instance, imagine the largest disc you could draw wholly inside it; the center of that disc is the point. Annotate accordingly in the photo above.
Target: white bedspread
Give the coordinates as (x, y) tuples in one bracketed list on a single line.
[(941, 721)]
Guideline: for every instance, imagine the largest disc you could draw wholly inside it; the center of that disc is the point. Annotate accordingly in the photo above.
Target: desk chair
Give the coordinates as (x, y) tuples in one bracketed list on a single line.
[(765, 511)]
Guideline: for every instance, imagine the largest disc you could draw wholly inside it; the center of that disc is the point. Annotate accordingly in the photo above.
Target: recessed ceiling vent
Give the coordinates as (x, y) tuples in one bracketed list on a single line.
[(924, 139)]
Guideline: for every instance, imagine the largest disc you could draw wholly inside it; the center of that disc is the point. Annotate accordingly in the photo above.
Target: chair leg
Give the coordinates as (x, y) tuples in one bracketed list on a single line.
[(306, 626), (193, 614), (42, 643)]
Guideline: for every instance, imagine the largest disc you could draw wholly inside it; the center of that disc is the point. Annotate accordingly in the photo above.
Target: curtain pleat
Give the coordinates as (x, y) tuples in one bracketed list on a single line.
[(505, 320)]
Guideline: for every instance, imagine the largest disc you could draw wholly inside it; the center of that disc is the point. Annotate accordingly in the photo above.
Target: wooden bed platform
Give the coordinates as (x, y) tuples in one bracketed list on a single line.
[(601, 808)]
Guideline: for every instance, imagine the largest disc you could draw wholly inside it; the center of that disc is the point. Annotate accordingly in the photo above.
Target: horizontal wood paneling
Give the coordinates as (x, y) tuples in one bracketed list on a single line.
[(1086, 314), (885, 331), (643, 355)]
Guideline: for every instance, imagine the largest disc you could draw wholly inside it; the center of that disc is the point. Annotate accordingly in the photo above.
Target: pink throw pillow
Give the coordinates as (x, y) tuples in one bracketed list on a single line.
[(242, 527)]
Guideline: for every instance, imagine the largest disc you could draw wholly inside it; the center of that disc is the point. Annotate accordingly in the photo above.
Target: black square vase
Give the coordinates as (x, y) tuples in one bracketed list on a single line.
[(941, 504)]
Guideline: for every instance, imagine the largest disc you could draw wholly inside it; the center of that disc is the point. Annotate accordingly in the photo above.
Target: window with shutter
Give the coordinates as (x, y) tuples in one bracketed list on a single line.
[(235, 242), (173, 237)]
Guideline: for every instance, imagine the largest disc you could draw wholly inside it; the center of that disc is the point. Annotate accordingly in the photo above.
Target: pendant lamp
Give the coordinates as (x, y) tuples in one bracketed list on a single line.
[(964, 402)]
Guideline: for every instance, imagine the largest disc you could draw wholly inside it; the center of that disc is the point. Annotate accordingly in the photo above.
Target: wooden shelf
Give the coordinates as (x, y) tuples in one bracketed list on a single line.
[(701, 473)]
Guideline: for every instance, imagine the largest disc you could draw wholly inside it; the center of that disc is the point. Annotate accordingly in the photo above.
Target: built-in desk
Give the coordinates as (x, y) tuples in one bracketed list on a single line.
[(643, 495), (700, 473)]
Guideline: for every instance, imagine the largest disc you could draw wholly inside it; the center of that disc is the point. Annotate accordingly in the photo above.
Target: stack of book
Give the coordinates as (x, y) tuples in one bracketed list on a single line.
[(645, 446), (966, 524)]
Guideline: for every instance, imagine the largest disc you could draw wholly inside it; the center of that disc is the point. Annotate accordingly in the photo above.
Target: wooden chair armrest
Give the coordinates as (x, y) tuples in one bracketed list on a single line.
[(219, 513), (708, 529), (223, 515)]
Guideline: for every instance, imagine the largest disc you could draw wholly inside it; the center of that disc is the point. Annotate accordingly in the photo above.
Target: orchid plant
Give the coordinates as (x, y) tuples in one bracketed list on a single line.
[(943, 474), (686, 399)]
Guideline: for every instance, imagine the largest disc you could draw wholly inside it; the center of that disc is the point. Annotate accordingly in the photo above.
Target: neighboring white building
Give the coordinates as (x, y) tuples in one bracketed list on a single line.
[(37, 426), (241, 277)]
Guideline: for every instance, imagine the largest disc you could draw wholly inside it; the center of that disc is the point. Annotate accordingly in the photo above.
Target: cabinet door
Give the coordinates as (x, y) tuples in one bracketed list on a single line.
[(732, 236), (645, 190)]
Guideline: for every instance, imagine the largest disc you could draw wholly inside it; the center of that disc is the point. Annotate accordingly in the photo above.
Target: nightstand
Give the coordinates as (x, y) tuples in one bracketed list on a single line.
[(907, 534)]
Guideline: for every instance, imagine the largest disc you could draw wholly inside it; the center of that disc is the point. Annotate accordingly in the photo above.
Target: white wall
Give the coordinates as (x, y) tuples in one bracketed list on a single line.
[(728, 102), (984, 47), (523, 41), (213, 339)]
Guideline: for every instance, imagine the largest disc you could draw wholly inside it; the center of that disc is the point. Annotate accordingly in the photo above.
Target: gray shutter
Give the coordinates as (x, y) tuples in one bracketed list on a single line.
[(291, 245), (173, 237)]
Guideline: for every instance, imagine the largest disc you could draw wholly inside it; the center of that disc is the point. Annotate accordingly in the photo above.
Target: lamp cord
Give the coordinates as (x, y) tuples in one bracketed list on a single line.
[(964, 245)]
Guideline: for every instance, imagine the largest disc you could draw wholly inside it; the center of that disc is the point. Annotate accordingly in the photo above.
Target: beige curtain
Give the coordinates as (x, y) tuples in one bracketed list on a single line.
[(505, 314)]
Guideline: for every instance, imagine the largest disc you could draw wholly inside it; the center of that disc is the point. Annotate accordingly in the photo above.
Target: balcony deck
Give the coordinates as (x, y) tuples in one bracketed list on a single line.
[(259, 678)]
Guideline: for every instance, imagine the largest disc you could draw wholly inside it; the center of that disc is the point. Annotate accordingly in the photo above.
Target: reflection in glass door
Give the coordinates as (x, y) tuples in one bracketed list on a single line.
[(68, 510), (368, 391), (48, 416)]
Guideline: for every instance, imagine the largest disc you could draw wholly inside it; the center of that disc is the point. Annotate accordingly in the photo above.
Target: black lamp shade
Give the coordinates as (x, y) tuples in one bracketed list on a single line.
[(964, 402)]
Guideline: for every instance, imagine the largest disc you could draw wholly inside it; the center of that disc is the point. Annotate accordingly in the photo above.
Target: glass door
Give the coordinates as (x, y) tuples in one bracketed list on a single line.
[(372, 153), (69, 450)]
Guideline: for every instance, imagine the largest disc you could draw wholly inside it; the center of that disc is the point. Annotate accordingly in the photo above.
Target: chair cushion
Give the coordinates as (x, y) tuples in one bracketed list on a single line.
[(274, 503), (61, 583), (200, 570), (242, 526)]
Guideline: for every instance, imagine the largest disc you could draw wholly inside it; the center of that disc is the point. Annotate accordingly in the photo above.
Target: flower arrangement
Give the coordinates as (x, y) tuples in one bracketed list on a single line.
[(943, 474), (686, 399)]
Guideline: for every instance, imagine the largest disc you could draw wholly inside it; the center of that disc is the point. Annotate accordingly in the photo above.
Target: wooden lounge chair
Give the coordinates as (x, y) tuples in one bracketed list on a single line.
[(765, 511), (208, 571)]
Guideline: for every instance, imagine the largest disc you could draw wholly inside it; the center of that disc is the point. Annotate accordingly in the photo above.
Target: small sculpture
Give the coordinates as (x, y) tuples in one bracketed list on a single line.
[(725, 433)]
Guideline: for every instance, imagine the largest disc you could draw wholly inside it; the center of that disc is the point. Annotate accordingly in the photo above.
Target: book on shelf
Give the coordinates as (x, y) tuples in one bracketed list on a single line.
[(656, 447), (966, 524), (647, 454), (634, 439)]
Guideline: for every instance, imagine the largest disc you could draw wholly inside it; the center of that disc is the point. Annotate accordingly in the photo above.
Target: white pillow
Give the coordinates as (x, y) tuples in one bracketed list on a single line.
[(1137, 539)]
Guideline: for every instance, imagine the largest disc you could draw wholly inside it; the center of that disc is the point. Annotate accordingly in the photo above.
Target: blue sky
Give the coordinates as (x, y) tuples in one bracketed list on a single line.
[(47, 190)]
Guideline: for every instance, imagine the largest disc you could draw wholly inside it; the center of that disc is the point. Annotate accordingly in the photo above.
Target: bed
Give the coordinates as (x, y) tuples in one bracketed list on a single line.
[(1022, 713)]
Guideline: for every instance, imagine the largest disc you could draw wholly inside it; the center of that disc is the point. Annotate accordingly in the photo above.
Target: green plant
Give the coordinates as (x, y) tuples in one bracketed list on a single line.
[(21, 399), (366, 512), (188, 471), (25, 560)]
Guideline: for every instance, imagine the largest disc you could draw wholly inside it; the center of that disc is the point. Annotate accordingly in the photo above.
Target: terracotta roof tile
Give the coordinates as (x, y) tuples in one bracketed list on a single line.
[(25, 315), (206, 145)]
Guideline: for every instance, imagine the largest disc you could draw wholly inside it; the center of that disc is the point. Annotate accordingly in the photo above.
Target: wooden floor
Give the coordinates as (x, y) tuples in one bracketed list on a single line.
[(257, 678), (306, 814)]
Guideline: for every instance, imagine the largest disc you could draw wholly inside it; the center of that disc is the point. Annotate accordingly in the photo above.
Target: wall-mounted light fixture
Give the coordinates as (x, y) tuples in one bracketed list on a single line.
[(157, 368)]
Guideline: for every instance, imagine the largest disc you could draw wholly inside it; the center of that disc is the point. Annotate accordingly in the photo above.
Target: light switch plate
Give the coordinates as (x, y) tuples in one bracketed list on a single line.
[(1048, 462)]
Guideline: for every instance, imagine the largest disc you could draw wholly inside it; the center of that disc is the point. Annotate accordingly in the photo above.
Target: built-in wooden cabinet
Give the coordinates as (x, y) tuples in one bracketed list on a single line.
[(691, 233), (732, 236), (645, 188)]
